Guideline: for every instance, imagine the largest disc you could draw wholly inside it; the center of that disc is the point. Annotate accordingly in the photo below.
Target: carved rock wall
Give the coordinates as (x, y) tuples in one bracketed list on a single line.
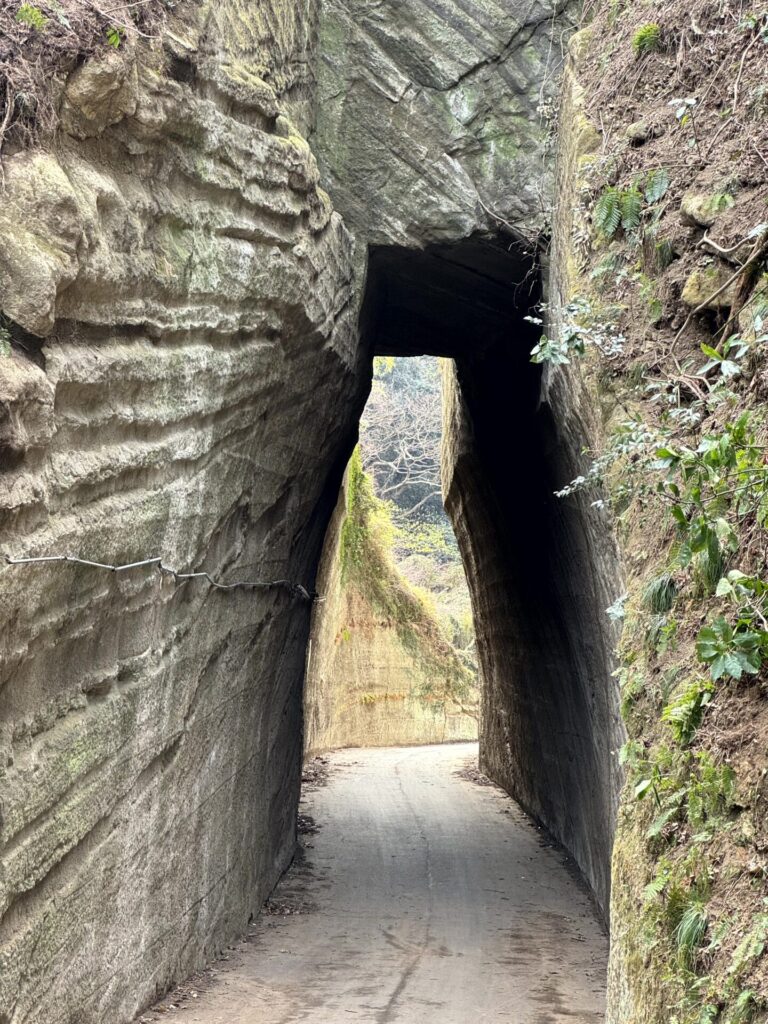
[(432, 116), (433, 138), (184, 382), (542, 571)]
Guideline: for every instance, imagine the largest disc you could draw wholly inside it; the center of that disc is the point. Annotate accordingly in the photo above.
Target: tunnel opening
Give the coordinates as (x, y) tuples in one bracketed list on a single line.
[(549, 720)]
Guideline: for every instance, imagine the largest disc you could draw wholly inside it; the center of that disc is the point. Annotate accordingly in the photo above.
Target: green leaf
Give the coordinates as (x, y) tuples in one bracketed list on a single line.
[(711, 352), (657, 826), (679, 516), (656, 185), (726, 665), (726, 534), (630, 206), (729, 369), (735, 575), (607, 213), (641, 789)]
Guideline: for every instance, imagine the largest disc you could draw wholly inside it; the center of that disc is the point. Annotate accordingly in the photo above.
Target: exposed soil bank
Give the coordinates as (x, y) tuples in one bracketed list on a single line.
[(430, 898)]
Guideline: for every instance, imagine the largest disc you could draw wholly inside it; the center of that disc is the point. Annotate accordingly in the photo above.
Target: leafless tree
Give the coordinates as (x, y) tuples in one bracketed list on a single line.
[(400, 434)]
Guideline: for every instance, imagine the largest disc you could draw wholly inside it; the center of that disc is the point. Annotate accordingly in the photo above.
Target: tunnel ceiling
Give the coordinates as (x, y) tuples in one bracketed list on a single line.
[(451, 300)]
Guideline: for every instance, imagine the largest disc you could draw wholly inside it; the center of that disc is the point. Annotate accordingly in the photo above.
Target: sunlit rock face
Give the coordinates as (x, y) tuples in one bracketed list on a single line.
[(380, 671), (183, 376)]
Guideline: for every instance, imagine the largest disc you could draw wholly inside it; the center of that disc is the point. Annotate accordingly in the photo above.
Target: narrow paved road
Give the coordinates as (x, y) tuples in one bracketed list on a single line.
[(427, 899)]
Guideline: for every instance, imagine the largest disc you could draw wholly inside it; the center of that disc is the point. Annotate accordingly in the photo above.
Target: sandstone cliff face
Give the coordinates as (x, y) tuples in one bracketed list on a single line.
[(194, 398), (196, 387), (379, 671)]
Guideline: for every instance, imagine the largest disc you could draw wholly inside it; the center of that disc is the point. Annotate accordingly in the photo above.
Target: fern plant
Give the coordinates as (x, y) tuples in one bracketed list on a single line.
[(623, 207), (744, 1008), (631, 207), (656, 184), (607, 213), (684, 714), (658, 883)]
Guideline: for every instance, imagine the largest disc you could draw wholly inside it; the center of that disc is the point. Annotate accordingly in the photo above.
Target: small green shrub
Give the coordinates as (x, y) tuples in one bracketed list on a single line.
[(690, 931), (632, 686), (115, 36), (710, 792), (647, 39), (623, 207), (659, 594), (708, 1014), (685, 713), (708, 564), (667, 640), (582, 325), (728, 651), (32, 16)]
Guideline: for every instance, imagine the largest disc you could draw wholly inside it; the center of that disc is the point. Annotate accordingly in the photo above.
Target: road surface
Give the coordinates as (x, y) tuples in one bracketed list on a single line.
[(425, 898)]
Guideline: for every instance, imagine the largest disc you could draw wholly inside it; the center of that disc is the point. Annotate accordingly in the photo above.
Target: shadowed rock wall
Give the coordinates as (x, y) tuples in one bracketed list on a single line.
[(542, 570), (189, 390)]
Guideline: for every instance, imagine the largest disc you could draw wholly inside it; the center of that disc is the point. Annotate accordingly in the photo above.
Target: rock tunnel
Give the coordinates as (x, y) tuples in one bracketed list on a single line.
[(206, 360), (549, 726)]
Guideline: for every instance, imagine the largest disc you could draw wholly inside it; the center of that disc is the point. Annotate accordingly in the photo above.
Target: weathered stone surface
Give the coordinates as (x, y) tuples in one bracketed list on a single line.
[(26, 410), (702, 211), (429, 116), (708, 287), (541, 573), (588, 564), (100, 93), (202, 379), (431, 130), (195, 292), (542, 570), (379, 675), (41, 235)]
